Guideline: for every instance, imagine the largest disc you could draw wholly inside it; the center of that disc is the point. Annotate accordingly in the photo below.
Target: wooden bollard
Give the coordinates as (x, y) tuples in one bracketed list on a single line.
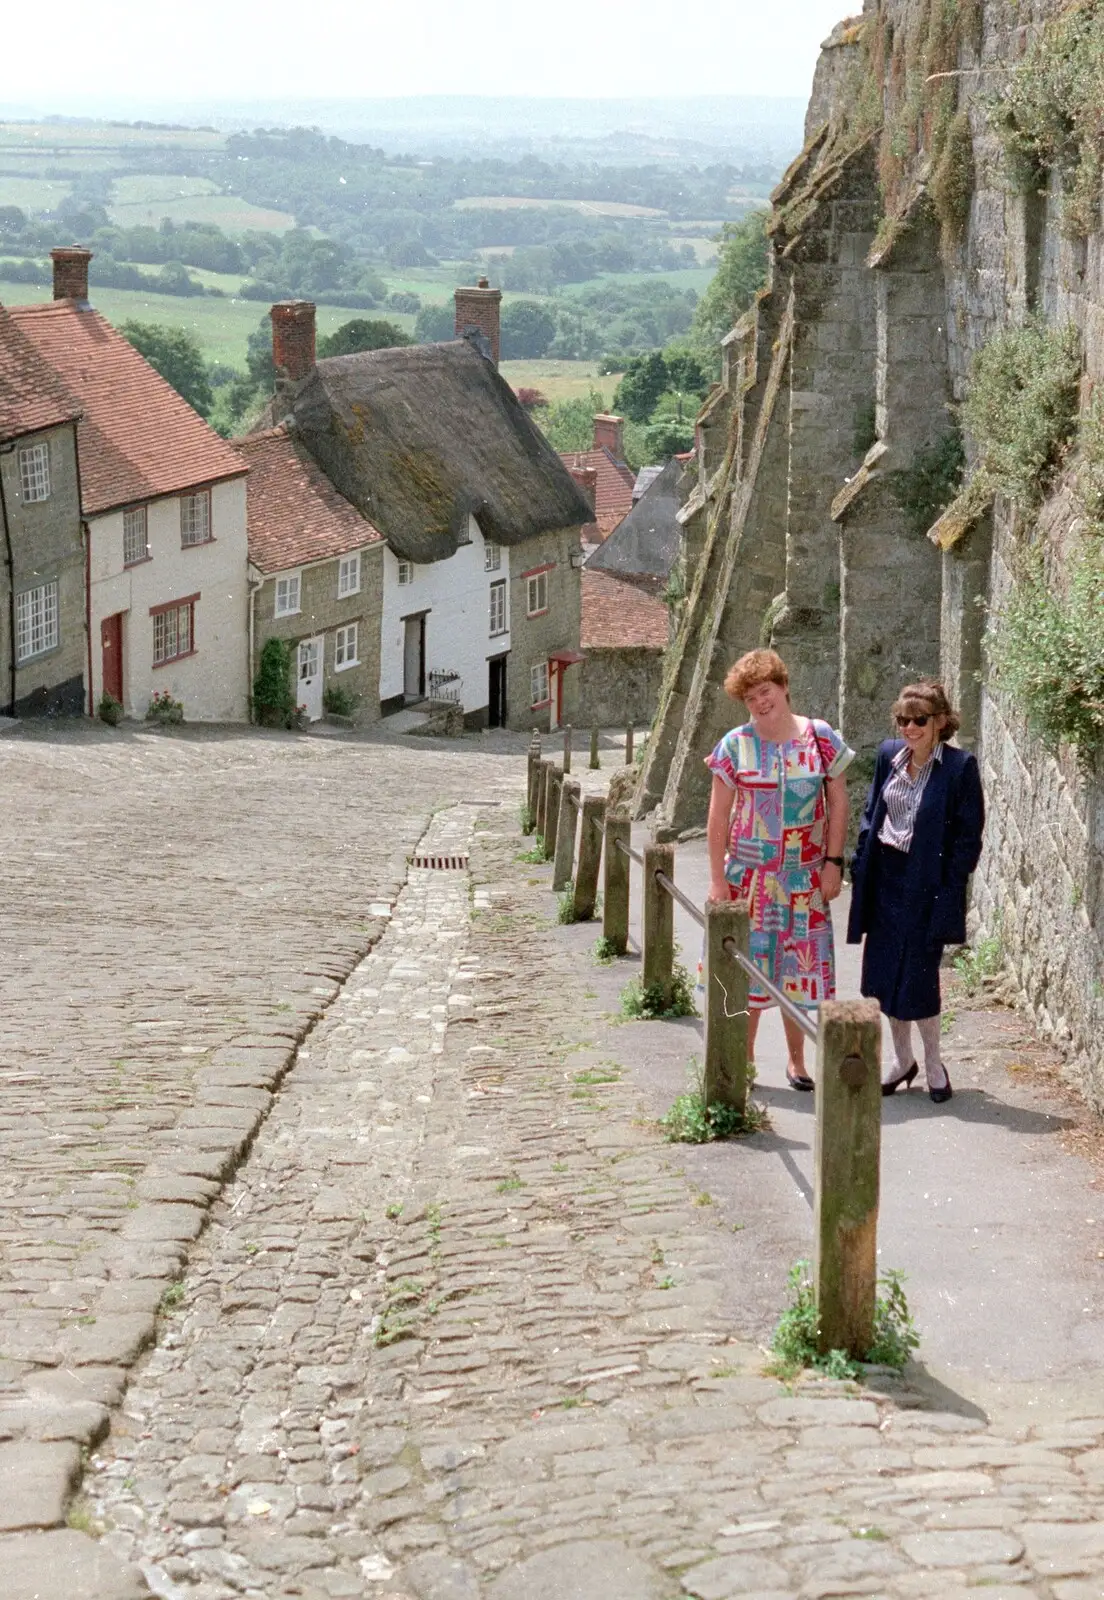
[(724, 1077), (567, 748), (595, 764), (846, 1174), (552, 817), (564, 864), (615, 903), (545, 783), (629, 745), (534, 778), (659, 921), (590, 856)]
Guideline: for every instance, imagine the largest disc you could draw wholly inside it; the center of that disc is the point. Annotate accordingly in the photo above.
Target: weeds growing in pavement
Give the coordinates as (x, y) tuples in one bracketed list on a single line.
[(975, 963), (605, 951), (565, 905), (794, 1345), (692, 1121), (527, 817), (536, 854), (651, 1002)]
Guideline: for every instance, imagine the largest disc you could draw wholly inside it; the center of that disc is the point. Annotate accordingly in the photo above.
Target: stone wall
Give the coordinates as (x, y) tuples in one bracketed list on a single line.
[(619, 686)]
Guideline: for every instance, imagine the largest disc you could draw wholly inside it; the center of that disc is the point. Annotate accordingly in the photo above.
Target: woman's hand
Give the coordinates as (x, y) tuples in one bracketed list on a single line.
[(831, 882), (719, 889)]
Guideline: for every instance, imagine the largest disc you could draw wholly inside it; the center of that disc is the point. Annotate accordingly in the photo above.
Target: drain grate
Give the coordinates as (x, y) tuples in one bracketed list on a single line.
[(440, 863)]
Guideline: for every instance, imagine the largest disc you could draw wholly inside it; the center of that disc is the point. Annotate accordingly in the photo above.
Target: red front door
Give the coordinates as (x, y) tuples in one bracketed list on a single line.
[(111, 644)]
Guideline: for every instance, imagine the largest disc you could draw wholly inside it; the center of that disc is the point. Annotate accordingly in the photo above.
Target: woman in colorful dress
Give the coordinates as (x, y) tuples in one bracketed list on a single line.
[(919, 841), (777, 825)]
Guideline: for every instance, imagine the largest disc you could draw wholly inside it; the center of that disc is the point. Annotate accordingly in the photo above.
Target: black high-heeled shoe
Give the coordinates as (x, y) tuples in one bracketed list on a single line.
[(941, 1096), (799, 1081), (891, 1085)]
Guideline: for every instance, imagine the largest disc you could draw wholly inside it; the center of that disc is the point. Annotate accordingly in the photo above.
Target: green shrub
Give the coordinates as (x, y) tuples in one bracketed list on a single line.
[(975, 963), (1090, 463), (274, 704), (1022, 407), (1046, 649), (339, 701), (109, 709), (926, 488), (794, 1345)]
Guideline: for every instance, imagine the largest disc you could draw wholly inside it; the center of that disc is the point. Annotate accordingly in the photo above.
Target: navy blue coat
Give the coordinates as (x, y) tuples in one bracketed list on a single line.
[(946, 847)]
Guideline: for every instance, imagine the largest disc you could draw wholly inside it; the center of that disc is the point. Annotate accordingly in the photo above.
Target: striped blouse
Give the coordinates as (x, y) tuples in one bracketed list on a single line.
[(902, 797)]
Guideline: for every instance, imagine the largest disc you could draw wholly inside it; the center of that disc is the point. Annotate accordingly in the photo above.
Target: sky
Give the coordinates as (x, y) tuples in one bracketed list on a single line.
[(153, 51)]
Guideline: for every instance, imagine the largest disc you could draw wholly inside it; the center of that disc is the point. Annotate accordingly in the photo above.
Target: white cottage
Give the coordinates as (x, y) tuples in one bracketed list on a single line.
[(163, 500)]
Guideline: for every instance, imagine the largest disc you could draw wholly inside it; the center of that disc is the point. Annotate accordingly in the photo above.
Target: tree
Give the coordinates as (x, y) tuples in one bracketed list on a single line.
[(569, 424), (645, 379), (435, 322), (741, 273), (273, 700), (361, 333), (175, 354), (666, 438), (12, 219), (528, 328)]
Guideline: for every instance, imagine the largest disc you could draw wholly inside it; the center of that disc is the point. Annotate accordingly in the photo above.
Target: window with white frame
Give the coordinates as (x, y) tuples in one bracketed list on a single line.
[(135, 536), (36, 621), (288, 590), (537, 594), (173, 632), (195, 518), (498, 607), (406, 572), (345, 648), (492, 557), (34, 472), (348, 575), (538, 684)]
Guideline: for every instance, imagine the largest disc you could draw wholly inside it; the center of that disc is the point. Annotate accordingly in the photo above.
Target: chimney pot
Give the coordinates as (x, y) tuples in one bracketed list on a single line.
[(608, 434), (71, 272), (293, 351), (479, 316)]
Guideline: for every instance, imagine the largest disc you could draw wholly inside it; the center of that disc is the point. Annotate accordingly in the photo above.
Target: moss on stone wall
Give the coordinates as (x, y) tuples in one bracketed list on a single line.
[(1021, 408), (952, 183), (926, 487)]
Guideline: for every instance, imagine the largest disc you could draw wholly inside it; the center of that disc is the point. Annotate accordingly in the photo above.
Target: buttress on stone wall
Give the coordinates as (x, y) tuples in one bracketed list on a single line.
[(850, 363)]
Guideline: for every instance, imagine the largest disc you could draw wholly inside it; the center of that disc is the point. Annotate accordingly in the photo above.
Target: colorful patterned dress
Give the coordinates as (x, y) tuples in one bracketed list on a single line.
[(776, 848)]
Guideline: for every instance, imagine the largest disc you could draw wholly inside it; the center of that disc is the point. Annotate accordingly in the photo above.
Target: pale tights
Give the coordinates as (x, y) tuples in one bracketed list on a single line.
[(930, 1033)]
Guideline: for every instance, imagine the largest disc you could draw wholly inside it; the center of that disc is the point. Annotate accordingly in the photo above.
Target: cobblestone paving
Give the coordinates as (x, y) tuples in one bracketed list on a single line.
[(457, 1330), (178, 911)]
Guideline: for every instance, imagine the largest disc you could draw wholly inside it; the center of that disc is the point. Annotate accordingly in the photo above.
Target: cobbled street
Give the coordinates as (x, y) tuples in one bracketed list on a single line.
[(434, 1312)]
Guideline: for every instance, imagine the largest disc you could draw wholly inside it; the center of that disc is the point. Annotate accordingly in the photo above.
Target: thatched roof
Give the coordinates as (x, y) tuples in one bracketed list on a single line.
[(646, 543), (420, 438)]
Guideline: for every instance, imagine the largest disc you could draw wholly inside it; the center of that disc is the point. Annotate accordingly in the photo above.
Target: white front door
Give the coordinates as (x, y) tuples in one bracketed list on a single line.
[(309, 690)]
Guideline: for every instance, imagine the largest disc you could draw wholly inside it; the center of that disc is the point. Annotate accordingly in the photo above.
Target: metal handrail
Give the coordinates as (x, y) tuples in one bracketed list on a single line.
[(627, 850)]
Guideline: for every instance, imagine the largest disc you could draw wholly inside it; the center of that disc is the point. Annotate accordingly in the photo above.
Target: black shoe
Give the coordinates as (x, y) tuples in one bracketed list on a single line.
[(941, 1096), (799, 1081), (891, 1085)]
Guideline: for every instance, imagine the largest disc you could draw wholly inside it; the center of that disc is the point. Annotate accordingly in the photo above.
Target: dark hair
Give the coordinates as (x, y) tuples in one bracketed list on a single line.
[(928, 696), (754, 668)]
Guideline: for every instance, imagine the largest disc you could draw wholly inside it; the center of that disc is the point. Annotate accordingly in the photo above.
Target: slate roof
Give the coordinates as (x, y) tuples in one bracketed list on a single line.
[(646, 543), (421, 437), (613, 492), (295, 515), (31, 397), (137, 439), (618, 615)]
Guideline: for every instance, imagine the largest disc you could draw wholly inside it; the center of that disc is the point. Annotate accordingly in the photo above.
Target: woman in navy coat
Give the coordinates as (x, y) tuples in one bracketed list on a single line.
[(919, 841)]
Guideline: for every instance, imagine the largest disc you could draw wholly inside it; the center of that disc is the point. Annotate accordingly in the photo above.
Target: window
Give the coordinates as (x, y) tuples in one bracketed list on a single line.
[(406, 572), (498, 607), (348, 575), (135, 536), (34, 472), (538, 594), (287, 595), (195, 518), (345, 648), (492, 557), (36, 621), (538, 684), (173, 632)]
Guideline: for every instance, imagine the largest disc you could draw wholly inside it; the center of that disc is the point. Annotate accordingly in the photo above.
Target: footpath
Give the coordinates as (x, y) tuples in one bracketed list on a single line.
[(464, 1328)]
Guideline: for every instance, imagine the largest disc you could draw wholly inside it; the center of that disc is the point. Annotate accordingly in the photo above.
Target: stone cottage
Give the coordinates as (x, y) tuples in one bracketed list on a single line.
[(604, 476), (163, 502), (316, 576), (481, 593), (900, 471), (43, 633)]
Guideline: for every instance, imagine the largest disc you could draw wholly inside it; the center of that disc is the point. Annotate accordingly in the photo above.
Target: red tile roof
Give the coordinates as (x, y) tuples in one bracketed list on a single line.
[(618, 615), (137, 438), (31, 398), (613, 494), (295, 513)]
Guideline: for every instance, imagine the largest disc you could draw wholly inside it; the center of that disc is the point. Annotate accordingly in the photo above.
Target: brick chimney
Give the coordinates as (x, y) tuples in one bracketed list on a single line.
[(292, 340), (71, 272), (587, 479), (478, 317), (608, 432)]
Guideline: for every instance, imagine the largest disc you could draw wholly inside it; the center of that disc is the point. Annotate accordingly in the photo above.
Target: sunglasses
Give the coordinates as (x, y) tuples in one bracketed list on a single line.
[(921, 722)]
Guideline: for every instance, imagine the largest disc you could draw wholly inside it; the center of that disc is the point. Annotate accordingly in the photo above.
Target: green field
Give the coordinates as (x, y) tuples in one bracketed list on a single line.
[(158, 196), (64, 138), (559, 380), (585, 208), (698, 278), (33, 194)]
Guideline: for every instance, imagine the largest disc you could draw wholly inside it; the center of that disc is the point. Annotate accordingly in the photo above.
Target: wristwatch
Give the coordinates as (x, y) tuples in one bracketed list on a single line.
[(834, 861)]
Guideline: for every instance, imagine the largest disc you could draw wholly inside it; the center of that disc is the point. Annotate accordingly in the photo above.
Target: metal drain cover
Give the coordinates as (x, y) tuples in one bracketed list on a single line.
[(440, 863)]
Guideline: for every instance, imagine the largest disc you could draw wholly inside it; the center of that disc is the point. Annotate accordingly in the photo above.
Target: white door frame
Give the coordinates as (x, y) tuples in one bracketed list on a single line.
[(308, 690)]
